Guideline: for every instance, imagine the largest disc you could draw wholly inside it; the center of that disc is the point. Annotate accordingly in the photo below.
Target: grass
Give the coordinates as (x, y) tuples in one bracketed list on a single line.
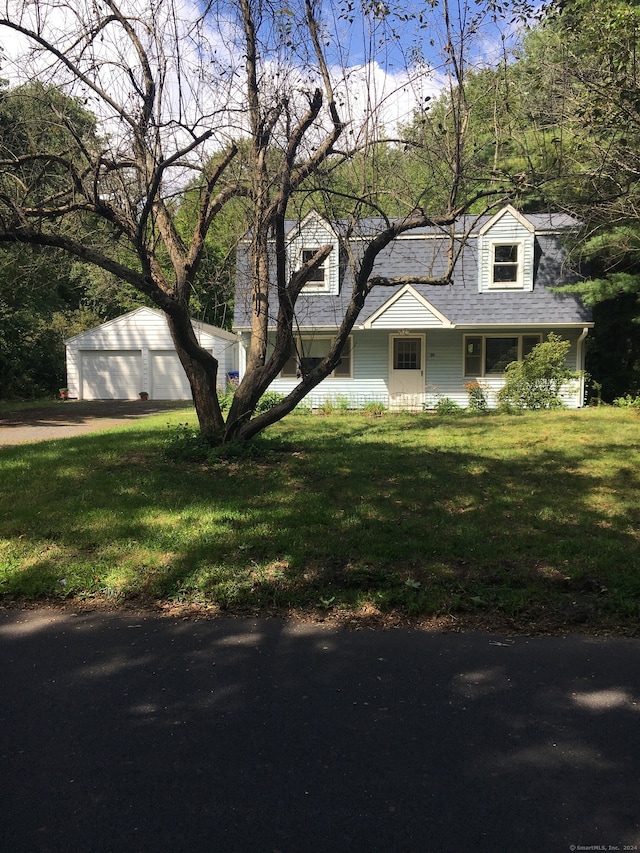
[(530, 521), (21, 405)]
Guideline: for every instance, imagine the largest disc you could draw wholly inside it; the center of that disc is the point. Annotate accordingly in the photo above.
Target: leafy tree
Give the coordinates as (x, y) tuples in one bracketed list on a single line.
[(586, 54), (585, 109), (613, 348), (264, 90), (214, 284), (536, 381), (45, 295), (613, 291), (469, 128), (31, 354)]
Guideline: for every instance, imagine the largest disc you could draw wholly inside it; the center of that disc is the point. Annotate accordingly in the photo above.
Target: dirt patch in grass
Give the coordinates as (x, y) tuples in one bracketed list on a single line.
[(577, 618)]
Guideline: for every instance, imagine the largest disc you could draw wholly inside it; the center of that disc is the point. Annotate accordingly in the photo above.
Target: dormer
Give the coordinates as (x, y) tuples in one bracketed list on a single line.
[(305, 238), (506, 250)]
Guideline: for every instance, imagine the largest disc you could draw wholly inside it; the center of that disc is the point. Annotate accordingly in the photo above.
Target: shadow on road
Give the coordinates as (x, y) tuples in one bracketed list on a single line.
[(133, 732), (78, 412)]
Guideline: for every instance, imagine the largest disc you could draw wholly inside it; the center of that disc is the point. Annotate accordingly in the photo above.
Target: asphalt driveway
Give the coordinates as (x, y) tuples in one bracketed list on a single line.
[(138, 733), (69, 418)]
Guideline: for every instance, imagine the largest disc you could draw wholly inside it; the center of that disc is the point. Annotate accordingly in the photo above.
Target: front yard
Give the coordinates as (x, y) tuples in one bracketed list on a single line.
[(528, 522)]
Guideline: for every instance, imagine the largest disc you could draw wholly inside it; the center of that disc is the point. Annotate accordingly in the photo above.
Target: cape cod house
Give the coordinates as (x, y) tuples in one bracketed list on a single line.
[(414, 344)]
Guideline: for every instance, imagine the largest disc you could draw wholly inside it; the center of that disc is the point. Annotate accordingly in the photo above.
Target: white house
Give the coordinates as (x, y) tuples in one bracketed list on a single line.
[(414, 343), (134, 353)]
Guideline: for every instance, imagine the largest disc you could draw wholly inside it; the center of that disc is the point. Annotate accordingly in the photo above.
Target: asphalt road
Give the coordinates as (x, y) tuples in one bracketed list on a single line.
[(134, 732), (65, 419)]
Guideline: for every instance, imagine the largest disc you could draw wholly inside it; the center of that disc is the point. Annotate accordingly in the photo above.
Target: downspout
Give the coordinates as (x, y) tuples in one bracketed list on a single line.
[(242, 357), (580, 365)]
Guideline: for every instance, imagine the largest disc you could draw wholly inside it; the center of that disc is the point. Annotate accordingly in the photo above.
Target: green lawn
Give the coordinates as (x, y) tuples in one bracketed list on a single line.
[(531, 521)]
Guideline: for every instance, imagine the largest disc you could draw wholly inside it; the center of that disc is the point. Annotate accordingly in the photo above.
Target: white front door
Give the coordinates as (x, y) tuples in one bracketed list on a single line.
[(406, 371)]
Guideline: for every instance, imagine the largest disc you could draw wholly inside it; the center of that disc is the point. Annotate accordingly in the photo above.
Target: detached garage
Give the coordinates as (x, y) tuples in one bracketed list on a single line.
[(134, 353)]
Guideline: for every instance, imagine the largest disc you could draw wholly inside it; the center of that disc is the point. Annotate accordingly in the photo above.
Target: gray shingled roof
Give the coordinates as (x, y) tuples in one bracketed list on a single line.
[(460, 302)]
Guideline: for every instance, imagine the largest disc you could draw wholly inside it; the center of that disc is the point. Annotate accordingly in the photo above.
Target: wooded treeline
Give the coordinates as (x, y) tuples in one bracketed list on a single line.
[(554, 125)]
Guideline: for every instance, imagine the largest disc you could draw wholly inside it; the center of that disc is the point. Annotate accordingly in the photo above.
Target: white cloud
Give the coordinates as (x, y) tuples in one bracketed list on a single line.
[(200, 60), (376, 99)]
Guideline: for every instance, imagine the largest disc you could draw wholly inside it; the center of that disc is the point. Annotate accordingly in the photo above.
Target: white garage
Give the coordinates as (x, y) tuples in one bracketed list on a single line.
[(111, 375), (134, 353), (168, 379)]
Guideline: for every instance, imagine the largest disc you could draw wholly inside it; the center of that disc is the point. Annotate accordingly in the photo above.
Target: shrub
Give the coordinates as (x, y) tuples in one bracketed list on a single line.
[(374, 409), (342, 403), (627, 402), (186, 443), (326, 407), (535, 382), (447, 406), (477, 397), (268, 400), (226, 398), (596, 397)]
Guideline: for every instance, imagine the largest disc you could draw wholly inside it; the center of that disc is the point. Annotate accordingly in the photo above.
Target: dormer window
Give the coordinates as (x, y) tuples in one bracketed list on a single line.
[(506, 264), (506, 252), (305, 239), (317, 277)]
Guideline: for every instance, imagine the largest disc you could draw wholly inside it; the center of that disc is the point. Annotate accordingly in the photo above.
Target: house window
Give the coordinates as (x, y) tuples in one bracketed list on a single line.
[(529, 342), (489, 355), (318, 275), (506, 265), (308, 354), (498, 353)]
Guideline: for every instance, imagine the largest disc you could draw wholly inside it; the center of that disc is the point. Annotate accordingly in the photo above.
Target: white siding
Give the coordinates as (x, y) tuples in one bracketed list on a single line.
[(507, 229), (407, 313), (369, 383), (144, 331), (313, 233), (444, 369), (225, 350), (445, 366), (168, 379)]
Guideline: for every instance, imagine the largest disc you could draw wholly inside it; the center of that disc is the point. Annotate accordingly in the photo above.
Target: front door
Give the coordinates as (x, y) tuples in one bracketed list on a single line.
[(406, 372)]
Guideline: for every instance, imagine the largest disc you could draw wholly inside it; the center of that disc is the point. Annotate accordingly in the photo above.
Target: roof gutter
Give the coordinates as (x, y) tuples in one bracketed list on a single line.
[(506, 325)]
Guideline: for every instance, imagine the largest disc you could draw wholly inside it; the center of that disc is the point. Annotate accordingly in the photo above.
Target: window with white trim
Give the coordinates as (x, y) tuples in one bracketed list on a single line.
[(304, 241), (308, 354), (317, 277), (489, 355), (506, 265)]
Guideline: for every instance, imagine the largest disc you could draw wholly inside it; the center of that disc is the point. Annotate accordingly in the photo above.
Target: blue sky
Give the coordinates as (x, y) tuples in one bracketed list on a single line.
[(386, 58)]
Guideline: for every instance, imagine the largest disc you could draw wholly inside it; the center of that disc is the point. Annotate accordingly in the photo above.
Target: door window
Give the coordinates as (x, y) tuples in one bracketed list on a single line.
[(406, 354)]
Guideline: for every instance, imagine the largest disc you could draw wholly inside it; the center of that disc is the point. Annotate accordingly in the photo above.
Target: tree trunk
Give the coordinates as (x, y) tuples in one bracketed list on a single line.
[(202, 372)]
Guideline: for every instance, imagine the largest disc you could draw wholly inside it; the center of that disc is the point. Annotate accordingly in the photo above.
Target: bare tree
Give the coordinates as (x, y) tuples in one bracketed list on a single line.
[(252, 98)]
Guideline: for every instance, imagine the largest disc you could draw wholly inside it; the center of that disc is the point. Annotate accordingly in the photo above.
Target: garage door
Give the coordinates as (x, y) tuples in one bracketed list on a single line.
[(115, 375), (168, 379)]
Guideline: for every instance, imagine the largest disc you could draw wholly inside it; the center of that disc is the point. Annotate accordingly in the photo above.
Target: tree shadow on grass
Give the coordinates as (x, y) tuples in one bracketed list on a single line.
[(330, 520)]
